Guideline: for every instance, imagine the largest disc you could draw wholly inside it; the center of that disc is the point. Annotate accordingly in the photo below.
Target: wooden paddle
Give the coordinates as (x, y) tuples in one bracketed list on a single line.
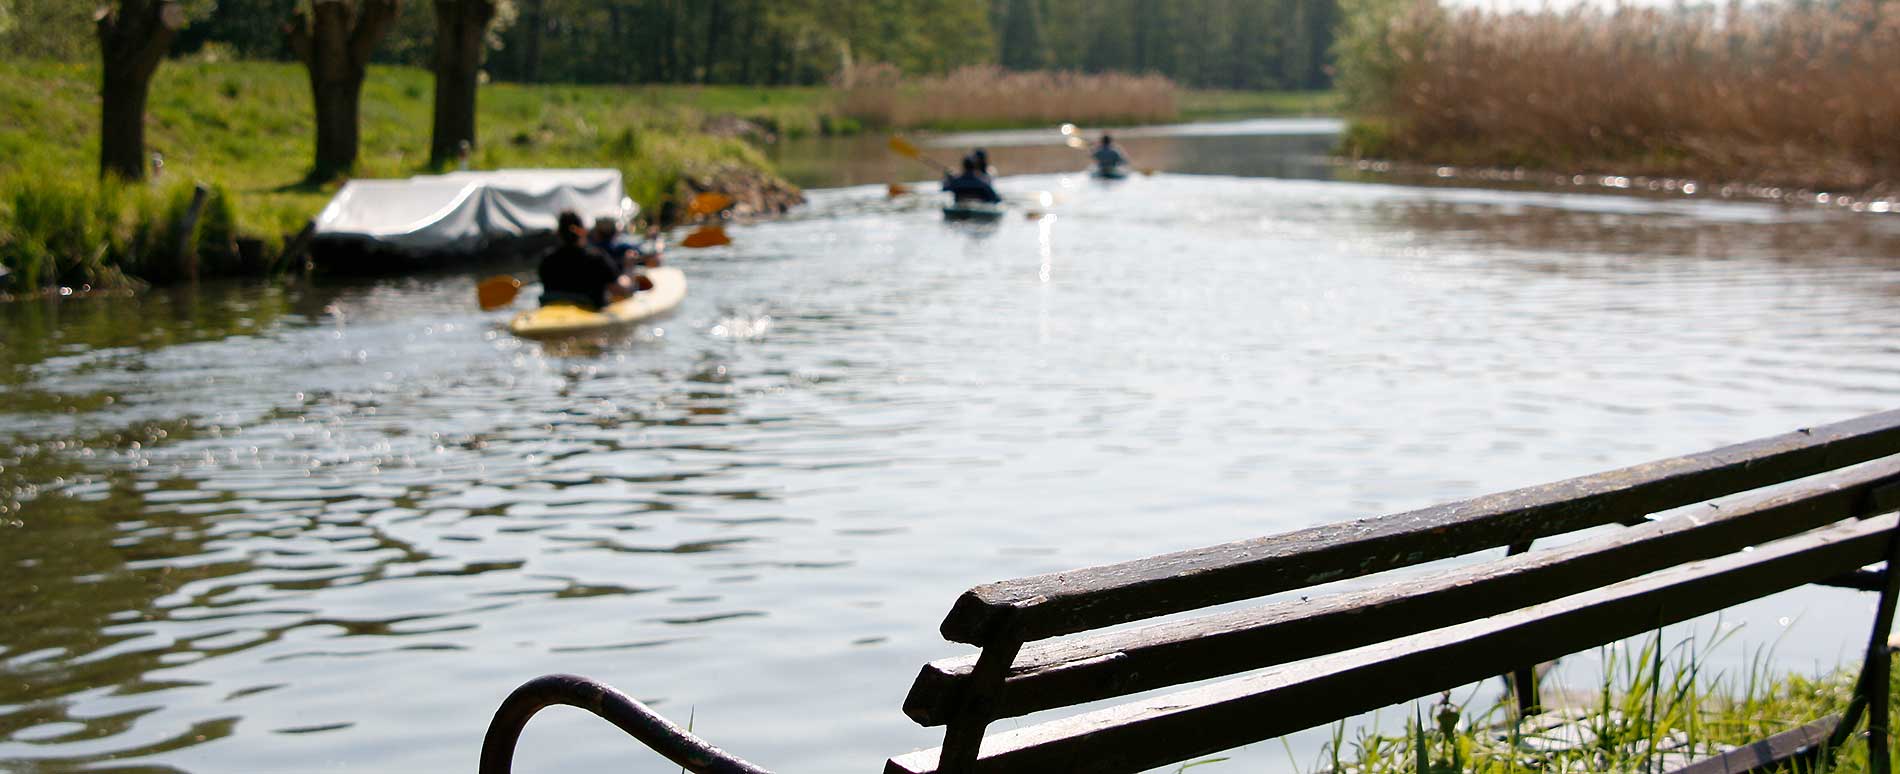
[(708, 203), (898, 189), (497, 291), (904, 148), (707, 236)]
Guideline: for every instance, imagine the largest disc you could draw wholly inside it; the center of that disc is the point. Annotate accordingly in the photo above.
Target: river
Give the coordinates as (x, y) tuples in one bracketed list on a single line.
[(327, 526)]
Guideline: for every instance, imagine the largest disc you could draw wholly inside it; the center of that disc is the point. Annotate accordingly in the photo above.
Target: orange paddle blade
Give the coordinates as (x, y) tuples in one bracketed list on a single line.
[(899, 189), (708, 203), (497, 291), (710, 236), (903, 147)]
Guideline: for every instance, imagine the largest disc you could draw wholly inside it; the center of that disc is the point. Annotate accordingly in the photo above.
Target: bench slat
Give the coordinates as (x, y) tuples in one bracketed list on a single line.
[(1141, 735), (1767, 753), (1101, 666), (1055, 604)]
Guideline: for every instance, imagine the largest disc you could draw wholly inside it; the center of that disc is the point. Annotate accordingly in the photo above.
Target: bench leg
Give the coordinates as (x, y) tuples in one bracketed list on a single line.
[(1523, 681), (1872, 691), (963, 739)]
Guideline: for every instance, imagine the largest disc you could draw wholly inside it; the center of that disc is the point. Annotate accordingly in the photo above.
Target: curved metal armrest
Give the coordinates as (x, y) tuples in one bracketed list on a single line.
[(658, 733)]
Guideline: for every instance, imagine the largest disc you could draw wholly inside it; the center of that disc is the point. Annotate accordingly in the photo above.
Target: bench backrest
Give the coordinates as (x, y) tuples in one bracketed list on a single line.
[(1819, 516)]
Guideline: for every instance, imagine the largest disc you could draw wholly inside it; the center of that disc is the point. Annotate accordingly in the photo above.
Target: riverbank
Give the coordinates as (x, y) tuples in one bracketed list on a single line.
[(1773, 96), (245, 128)]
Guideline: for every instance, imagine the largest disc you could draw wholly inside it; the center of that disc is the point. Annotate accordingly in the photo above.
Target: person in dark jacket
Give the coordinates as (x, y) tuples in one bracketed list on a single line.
[(971, 185), (1107, 156), (983, 167), (575, 273)]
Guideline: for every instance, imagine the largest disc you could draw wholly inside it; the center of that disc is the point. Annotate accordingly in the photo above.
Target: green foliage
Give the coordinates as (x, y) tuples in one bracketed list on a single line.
[(1229, 44), (248, 126), (1022, 47), (1366, 53), (1652, 701)]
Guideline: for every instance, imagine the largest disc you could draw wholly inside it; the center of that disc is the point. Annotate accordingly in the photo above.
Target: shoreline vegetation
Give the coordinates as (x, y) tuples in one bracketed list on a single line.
[(244, 130), (1652, 709), (1795, 97)]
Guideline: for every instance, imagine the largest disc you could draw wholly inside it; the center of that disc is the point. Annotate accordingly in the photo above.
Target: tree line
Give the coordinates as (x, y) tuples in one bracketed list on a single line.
[(1242, 44), (1237, 44)]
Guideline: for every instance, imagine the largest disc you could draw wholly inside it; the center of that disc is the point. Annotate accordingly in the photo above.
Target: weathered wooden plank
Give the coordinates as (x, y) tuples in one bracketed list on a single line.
[(1068, 602), (1767, 753), (1063, 673), (1144, 734)]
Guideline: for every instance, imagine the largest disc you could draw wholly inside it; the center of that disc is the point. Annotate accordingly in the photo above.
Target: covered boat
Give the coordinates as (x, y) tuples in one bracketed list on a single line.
[(442, 221)]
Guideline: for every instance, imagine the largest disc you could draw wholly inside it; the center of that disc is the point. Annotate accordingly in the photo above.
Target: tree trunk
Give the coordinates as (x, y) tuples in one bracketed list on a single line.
[(133, 38), (531, 53), (122, 122), (461, 29), (338, 102), (335, 40), (709, 58)]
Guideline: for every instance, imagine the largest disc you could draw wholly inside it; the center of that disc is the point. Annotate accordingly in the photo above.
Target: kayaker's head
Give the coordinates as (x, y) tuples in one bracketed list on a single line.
[(604, 230), (969, 165), (982, 158), (1107, 141), (568, 227)]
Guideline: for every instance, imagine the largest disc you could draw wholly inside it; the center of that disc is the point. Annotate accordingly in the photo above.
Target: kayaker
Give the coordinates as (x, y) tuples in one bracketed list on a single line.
[(971, 185), (618, 245), (983, 167), (576, 273), (1107, 156)]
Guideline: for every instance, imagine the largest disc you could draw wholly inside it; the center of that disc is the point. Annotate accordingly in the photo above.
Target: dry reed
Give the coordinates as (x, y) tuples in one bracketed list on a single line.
[(992, 96), (1782, 94)]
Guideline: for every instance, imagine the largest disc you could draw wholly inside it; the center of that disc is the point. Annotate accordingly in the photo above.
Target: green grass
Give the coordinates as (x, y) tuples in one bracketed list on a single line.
[(1204, 105), (247, 126), (1644, 695)]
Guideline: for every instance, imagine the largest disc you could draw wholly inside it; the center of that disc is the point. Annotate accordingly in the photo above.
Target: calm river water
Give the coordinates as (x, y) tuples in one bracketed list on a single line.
[(328, 527)]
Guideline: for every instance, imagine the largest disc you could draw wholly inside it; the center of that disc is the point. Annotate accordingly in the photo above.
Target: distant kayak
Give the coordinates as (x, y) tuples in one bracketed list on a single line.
[(563, 320), (973, 210), (1115, 172)]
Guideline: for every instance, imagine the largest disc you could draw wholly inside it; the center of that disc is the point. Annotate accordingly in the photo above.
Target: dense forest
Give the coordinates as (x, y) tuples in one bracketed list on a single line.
[(1236, 44)]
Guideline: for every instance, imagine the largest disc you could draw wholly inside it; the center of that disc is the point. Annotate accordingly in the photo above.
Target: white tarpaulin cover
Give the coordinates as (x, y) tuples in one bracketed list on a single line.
[(464, 208)]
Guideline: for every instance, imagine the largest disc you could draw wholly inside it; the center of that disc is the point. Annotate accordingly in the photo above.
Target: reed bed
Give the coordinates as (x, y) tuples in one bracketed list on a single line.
[(1799, 95), (977, 97)]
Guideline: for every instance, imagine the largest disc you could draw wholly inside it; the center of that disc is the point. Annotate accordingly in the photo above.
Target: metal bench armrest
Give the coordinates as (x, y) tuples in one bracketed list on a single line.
[(661, 735)]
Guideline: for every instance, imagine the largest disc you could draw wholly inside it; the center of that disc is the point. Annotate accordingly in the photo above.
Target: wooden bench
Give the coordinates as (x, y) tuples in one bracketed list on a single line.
[(1699, 533)]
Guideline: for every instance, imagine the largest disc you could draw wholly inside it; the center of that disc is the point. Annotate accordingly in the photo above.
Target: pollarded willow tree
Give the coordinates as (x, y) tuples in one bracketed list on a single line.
[(133, 38), (461, 39), (334, 39)]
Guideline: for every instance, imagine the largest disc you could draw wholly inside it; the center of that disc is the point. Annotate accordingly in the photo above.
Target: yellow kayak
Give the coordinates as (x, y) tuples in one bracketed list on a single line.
[(562, 320)]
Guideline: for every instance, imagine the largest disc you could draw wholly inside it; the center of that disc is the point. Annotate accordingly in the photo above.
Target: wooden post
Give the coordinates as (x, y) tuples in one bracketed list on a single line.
[(187, 247)]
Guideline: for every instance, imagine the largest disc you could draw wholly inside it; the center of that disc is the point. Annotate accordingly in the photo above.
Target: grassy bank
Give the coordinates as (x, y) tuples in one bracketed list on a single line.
[(1653, 709), (247, 127), (1205, 105), (1799, 95)]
